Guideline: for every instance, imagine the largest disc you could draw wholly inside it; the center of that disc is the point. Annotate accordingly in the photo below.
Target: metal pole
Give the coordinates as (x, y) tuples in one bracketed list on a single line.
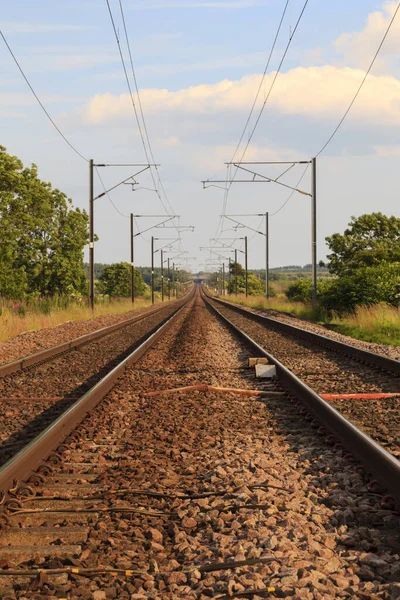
[(245, 266), (162, 275), (223, 279), (91, 237), (132, 265), (169, 282), (229, 276), (152, 269), (267, 255), (314, 230), (236, 271), (173, 280)]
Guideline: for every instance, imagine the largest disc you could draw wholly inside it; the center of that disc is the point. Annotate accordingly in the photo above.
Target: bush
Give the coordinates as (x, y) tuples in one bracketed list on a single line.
[(301, 291), (365, 286)]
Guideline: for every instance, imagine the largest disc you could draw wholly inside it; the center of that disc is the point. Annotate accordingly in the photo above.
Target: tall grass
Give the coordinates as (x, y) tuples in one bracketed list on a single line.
[(379, 323), (20, 317), (303, 311)]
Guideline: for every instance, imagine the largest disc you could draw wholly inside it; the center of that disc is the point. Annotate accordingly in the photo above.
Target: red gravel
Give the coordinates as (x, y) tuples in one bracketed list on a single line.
[(277, 495)]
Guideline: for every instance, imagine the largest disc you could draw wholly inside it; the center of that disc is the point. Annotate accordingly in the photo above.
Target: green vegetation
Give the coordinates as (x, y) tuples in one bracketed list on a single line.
[(358, 290), (41, 236), (379, 323), (116, 281)]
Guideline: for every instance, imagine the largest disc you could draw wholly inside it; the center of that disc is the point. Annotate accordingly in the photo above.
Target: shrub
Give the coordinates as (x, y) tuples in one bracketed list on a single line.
[(365, 286), (300, 291)]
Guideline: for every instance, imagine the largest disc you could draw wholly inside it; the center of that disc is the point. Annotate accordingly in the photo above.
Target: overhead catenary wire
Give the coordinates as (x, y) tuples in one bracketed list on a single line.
[(362, 82), (140, 105), (262, 78), (291, 193), (53, 122), (146, 151), (40, 102), (229, 184)]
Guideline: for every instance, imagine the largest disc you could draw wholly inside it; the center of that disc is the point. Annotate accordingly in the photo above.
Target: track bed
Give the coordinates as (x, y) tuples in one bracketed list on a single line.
[(194, 495), (34, 397), (326, 371)]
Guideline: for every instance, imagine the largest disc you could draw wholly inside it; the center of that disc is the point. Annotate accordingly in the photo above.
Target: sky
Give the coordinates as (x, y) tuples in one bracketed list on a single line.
[(198, 65)]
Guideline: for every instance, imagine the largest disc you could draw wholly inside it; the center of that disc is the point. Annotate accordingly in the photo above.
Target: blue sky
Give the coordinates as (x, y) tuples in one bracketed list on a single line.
[(198, 65)]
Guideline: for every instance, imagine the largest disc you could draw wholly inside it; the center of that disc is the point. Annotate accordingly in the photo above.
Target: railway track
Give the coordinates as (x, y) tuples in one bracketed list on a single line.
[(35, 389), (195, 493), (334, 370)]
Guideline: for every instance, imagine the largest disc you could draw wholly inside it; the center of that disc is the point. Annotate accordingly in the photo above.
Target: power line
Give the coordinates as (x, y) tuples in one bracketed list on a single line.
[(262, 79), (108, 195), (291, 194), (362, 82), (265, 100), (55, 125), (40, 102), (275, 78), (133, 102), (140, 104)]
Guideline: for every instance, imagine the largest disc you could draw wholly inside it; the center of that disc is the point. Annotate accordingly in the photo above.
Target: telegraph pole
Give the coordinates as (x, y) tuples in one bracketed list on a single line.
[(259, 178), (236, 273), (162, 275), (245, 265), (169, 281), (314, 230), (132, 265), (91, 237), (267, 255), (152, 269)]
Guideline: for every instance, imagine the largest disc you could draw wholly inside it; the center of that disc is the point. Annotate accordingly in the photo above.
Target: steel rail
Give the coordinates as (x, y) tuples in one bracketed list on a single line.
[(384, 467), (42, 355), (383, 362), (23, 464)]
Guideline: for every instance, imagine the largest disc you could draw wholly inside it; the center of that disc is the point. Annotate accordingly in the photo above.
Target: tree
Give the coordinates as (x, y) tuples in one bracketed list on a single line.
[(369, 240), (116, 281), (367, 285), (255, 285), (41, 236)]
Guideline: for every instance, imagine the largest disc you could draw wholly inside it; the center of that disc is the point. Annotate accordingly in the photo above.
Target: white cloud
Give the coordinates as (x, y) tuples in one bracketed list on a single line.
[(387, 150), (317, 92), (359, 48)]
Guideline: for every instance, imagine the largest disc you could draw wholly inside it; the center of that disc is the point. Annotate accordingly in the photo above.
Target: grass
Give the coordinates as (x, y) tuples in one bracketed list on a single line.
[(303, 311), (17, 318), (379, 323)]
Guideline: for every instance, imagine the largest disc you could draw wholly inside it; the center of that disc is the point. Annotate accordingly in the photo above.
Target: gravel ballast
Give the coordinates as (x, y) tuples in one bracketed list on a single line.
[(232, 494)]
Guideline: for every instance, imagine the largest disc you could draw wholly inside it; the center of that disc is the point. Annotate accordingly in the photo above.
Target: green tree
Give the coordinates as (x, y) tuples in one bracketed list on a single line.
[(369, 240), (116, 281), (255, 285), (41, 236), (367, 285)]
